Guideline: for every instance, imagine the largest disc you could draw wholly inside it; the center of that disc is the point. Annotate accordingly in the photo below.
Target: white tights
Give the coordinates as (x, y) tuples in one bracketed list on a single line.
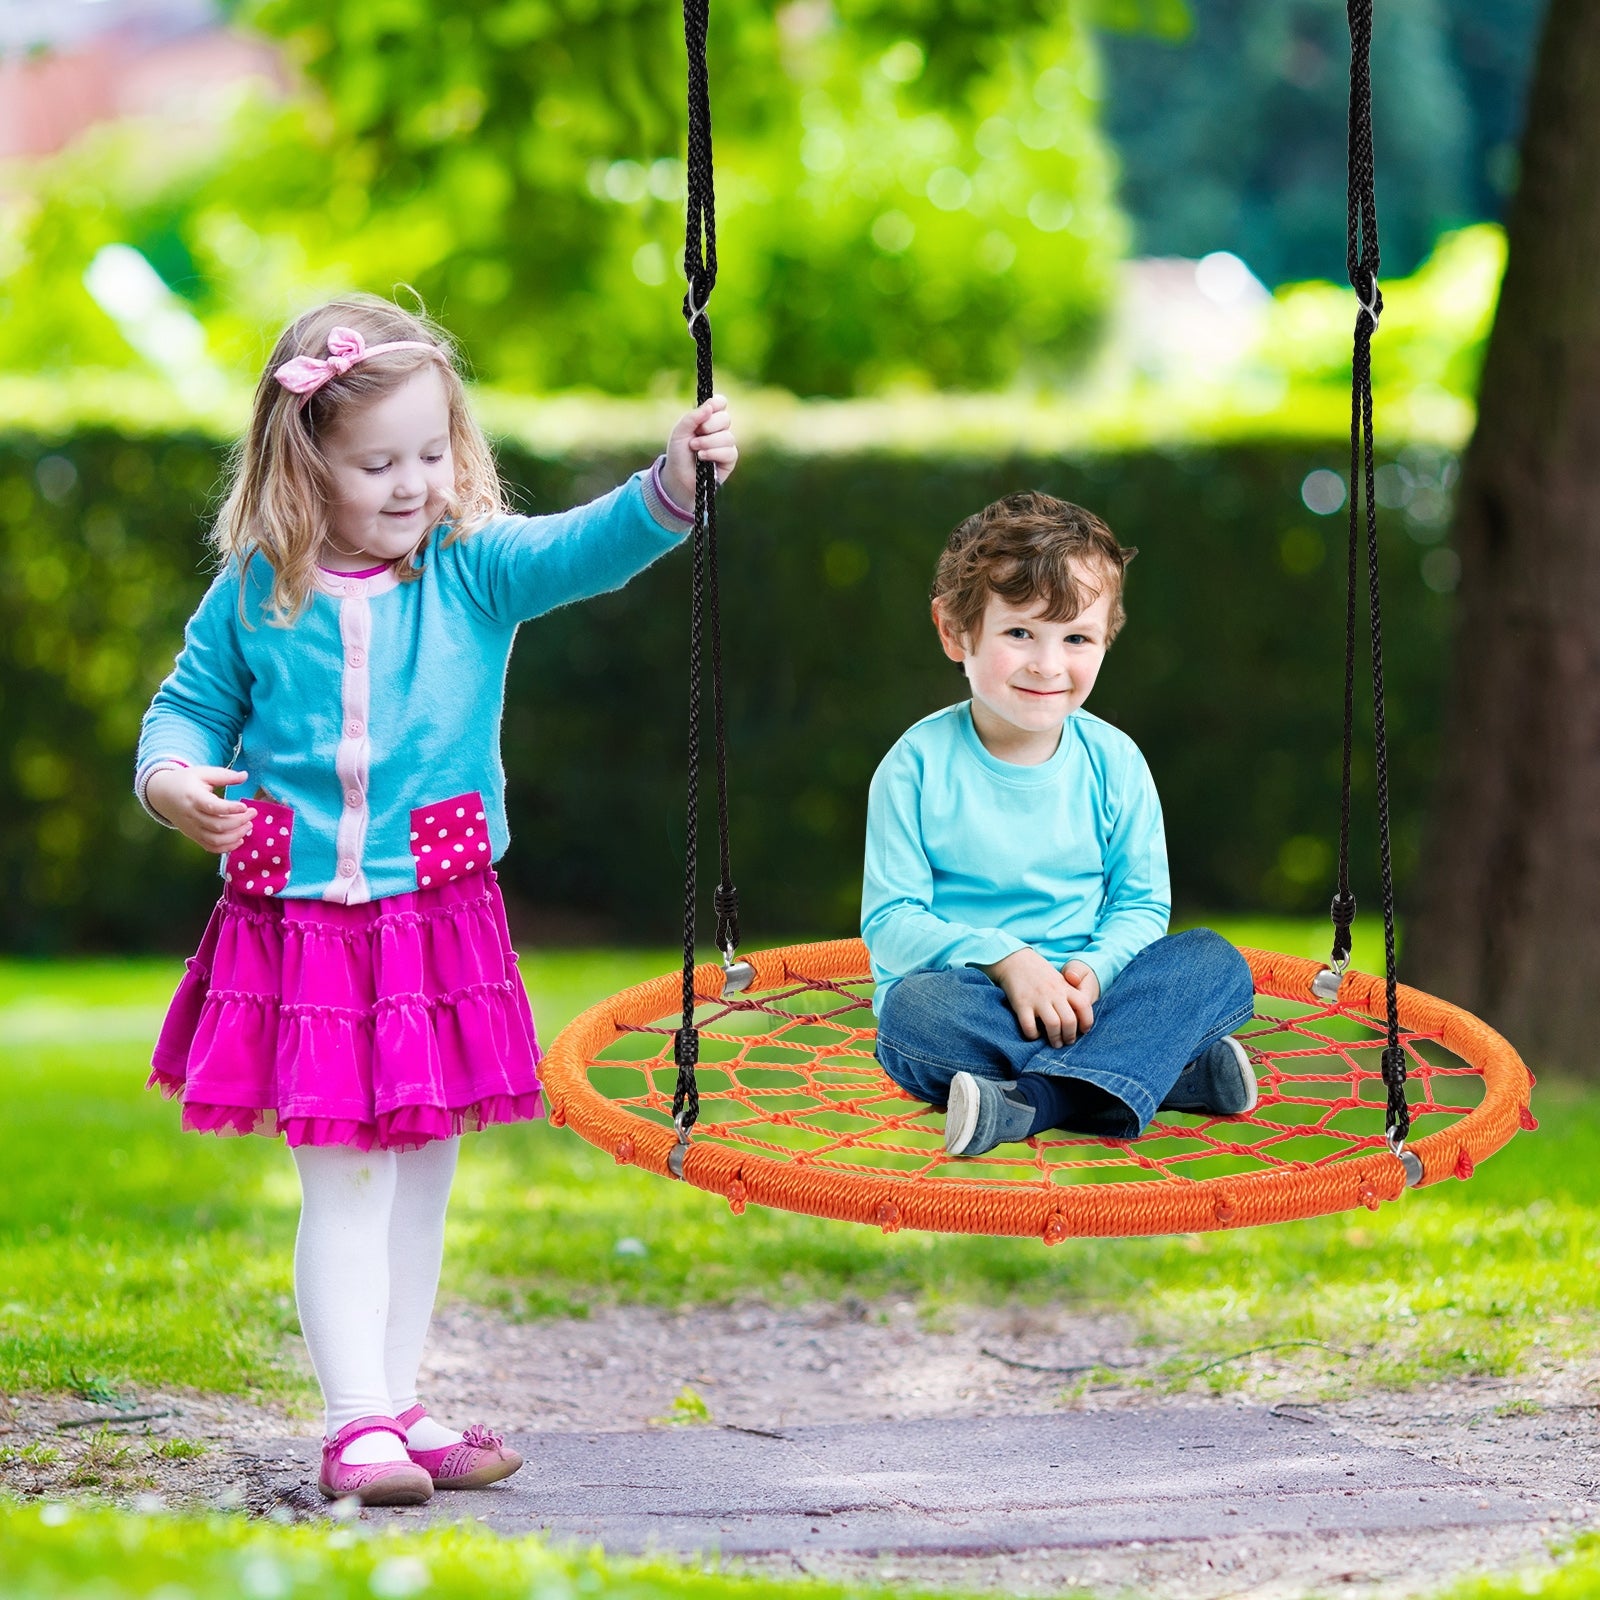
[(366, 1269)]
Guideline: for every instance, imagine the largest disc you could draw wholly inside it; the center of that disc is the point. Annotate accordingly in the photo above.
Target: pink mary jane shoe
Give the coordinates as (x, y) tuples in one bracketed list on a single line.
[(373, 1483), (481, 1457)]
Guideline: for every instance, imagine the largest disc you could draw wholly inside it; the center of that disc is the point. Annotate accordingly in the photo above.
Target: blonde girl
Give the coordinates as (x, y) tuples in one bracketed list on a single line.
[(342, 684)]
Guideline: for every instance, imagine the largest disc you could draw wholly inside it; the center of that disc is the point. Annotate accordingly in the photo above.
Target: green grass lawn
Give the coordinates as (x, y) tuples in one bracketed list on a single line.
[(131, 1253), (61, 1552)]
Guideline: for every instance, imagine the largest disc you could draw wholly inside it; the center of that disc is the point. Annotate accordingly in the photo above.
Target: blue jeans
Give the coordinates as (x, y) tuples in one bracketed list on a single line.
[(1174, 999)]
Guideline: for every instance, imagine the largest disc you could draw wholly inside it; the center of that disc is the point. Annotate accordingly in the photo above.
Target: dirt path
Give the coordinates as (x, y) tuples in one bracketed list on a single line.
[(1537, 1436)]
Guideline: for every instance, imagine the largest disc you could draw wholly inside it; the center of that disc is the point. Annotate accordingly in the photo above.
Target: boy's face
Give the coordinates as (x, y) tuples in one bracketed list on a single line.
[(1028, 675)]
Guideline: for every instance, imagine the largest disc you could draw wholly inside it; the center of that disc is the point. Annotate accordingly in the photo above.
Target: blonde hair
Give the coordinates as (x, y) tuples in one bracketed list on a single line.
[(1024, 549), (280, 484)]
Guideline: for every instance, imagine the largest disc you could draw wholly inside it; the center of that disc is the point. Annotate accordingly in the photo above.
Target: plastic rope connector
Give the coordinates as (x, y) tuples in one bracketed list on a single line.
[(1397, 1118), (726, 901), (686, 1095), (1343, 912)]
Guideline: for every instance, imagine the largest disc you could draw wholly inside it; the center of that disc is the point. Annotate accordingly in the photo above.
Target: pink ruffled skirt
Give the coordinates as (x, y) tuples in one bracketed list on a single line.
[(385, 1024)]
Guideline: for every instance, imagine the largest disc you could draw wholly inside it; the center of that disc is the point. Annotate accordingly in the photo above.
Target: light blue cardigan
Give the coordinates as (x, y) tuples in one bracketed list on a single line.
[(384, 698)]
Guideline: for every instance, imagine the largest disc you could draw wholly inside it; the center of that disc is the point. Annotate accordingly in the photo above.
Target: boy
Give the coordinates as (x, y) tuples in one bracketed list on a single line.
[(1016, 897)]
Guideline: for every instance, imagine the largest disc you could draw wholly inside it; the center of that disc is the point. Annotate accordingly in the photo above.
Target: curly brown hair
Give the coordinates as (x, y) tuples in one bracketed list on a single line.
[(1029, 548)]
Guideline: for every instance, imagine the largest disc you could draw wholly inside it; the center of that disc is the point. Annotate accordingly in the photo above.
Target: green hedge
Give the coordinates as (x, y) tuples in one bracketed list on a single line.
[(1229, 675)]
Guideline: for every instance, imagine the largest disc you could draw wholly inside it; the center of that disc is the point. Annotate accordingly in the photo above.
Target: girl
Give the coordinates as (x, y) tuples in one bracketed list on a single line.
[(356, 989)]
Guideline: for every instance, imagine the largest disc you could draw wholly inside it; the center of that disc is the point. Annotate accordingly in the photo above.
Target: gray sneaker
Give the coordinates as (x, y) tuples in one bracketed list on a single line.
[(1220, 1082), (983, 1113)]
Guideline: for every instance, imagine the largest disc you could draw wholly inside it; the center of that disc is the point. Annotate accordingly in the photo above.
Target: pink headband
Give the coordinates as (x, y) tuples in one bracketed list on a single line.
[(305, 374)]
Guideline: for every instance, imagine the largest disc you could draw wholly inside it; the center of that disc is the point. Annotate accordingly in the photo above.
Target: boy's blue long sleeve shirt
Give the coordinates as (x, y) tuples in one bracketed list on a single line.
[(970, 858), (383, 699)]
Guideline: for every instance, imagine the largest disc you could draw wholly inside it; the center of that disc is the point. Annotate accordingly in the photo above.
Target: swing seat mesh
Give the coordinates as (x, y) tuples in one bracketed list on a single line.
[(796, 1113)]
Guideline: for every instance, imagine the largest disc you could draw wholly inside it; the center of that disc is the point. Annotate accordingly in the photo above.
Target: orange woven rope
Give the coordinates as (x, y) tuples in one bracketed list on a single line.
[(795, 1112)]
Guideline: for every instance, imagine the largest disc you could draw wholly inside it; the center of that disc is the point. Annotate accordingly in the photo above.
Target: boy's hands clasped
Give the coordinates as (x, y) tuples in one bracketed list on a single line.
[(704, 434), (187, 798), (1058, 1003)]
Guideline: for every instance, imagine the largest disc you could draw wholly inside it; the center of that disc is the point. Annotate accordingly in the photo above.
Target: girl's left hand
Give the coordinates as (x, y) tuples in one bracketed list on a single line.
[(704, 434)]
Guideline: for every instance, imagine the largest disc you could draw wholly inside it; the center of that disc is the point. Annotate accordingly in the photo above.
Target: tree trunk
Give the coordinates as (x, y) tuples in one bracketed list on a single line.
[(1509, 911)]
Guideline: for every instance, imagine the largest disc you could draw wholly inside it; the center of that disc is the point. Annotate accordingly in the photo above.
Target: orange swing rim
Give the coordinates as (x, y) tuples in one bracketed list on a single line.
[(949, 1205)]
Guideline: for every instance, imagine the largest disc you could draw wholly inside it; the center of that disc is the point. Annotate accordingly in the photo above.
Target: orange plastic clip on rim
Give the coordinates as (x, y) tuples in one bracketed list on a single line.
[(796, 1114)]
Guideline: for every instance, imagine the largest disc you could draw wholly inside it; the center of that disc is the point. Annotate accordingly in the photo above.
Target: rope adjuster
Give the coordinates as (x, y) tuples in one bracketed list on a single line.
[(692, 313), (1374, 307)]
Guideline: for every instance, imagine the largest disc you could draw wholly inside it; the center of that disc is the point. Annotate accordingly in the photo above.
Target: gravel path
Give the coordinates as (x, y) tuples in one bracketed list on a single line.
[(1536, 1436)]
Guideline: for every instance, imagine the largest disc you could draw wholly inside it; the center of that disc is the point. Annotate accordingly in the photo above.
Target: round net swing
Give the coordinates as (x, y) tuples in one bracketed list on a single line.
[(796, 1113), (756, 1079)]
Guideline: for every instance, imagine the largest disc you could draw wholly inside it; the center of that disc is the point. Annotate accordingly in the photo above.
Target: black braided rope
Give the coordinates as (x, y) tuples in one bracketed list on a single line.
[(700, 269), (1361, 263)]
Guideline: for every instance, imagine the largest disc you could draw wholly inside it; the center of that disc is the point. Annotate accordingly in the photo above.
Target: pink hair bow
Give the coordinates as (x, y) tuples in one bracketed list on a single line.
[(306, 374)]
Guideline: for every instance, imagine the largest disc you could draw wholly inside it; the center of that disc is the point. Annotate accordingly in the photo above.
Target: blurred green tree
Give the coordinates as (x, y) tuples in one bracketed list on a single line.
[(908, 193)]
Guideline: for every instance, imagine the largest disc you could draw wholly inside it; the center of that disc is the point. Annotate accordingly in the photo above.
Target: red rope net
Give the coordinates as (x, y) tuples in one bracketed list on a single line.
[(788, 1079)]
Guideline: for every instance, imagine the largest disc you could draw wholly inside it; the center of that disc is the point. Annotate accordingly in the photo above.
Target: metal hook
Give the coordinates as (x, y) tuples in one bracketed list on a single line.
[(676, 1154)]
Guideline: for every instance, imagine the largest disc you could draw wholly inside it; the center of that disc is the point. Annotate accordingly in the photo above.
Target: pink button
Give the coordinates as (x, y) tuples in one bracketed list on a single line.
[(356, 658), (347, 868), (352, 798), (352, 588), (354, 730)]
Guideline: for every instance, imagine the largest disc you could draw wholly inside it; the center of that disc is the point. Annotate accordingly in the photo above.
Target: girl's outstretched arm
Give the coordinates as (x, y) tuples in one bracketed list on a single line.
[(516, 568)]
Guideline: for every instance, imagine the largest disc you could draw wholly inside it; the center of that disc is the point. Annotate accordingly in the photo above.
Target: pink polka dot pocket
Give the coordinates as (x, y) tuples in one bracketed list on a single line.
[(449, 839), (261, 864)]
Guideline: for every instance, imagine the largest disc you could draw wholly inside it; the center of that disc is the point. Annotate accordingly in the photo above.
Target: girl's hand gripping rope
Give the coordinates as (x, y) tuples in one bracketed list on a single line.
[(186, 797), (704, 434)]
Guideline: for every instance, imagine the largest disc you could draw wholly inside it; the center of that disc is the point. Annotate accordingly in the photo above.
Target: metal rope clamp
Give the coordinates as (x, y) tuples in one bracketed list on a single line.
[(1409, 1160), (1325, 986), (737, 976), (676, 1154)]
